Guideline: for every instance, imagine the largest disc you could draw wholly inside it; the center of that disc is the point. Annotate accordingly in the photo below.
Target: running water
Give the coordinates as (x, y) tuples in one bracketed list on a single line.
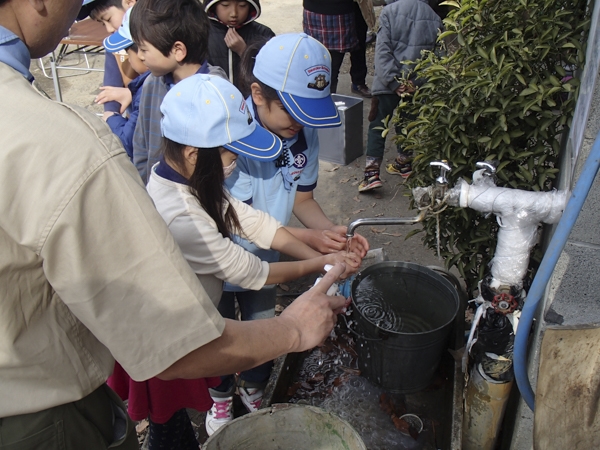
[(348, 244)]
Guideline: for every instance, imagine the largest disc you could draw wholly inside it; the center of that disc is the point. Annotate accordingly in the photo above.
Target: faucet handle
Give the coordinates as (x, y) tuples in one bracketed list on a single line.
[(489, 166), (444, 169)]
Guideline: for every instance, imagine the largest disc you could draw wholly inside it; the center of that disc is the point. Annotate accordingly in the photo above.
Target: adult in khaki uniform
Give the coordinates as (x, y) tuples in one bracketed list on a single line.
[(89, 270)]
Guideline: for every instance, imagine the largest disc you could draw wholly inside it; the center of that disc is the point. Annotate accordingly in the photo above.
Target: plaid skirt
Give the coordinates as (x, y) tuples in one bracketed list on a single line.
[(335, 32)]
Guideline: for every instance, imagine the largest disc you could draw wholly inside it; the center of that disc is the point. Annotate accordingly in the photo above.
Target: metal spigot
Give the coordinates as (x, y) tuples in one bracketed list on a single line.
[(383, 221), (489, 167), (444, 169)]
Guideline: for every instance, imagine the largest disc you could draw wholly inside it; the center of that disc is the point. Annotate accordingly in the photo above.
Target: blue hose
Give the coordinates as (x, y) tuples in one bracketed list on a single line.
[(555, 248)]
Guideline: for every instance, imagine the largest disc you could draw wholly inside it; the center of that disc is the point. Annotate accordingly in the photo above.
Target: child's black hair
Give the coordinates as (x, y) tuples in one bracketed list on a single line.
[(162, 23), (247, 77), (133, 47), (206, 184), (102, 5)]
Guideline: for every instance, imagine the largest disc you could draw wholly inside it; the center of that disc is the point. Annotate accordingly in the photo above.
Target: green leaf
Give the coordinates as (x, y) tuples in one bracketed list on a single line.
[(412, 233), (450, 3), (528, 91), (493, 56), (481, 52)]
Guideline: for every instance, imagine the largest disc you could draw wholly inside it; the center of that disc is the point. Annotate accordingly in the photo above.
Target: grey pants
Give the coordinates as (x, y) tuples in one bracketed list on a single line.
[(96, 422)]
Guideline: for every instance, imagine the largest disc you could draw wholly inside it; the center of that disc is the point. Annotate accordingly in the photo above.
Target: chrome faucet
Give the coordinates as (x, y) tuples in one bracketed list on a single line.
[(432, 192), (383, 221)]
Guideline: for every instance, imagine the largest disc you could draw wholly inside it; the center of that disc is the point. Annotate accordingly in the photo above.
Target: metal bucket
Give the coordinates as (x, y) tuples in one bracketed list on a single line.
[(402, 355), (286, 426)]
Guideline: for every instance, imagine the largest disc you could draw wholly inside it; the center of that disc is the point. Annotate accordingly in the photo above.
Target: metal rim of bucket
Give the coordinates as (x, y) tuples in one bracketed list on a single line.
[(278, 408), (417, 267)]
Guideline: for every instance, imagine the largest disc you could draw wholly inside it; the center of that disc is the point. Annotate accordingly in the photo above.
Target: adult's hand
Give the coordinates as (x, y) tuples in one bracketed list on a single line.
[(312, 316)]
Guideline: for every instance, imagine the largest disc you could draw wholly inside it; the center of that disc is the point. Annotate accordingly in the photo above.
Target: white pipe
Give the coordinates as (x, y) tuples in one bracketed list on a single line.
[(518, 213)]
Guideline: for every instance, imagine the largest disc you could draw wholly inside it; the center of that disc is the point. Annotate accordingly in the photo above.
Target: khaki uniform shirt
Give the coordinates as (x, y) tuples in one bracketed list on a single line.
[(87, 265)]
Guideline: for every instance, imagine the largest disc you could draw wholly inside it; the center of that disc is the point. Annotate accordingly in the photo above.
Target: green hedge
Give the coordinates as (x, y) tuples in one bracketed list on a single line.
[(501, 91)]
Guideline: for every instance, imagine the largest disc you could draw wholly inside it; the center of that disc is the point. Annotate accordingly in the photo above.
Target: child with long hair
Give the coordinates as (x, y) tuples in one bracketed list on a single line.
[(206, 125)]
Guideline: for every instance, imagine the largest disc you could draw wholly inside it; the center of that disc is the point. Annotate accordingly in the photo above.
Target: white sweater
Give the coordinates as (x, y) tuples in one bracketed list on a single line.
[(212, 257)]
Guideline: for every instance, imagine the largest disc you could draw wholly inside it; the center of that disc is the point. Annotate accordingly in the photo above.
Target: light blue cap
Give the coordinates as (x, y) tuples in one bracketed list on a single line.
[(120, 39), (298, 67), (207, 111)]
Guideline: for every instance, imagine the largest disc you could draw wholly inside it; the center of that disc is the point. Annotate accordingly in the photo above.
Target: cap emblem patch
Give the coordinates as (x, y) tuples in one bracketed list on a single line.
[(319, 84)]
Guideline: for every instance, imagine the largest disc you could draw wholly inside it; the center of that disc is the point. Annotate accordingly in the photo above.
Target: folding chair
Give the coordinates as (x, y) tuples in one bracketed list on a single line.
[(87, 37)]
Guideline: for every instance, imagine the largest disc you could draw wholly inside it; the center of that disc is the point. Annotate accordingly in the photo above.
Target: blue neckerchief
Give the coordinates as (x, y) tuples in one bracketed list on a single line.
[(167, 172), (14, 53), (169, 77)]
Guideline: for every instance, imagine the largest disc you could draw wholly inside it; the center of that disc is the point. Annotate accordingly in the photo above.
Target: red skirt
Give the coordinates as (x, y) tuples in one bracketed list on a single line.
[(160, 399)]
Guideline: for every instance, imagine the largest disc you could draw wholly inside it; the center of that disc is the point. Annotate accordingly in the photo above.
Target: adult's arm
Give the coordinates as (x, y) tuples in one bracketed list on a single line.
[(243, 345)]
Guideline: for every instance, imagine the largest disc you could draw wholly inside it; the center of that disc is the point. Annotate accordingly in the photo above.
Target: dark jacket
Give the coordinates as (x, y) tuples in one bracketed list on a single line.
[(406, 27), (125, 127), (218, 52)]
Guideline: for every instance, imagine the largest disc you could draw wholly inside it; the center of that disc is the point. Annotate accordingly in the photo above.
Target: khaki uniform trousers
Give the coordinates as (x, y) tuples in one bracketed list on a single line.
[(98, 421)]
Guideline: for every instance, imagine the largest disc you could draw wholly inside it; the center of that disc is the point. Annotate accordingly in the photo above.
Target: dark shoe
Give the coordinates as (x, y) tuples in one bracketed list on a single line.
[(361, 90), (369, 183)]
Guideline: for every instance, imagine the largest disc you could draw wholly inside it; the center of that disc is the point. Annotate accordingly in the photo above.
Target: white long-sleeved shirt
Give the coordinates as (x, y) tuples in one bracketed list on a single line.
[(213, 257)]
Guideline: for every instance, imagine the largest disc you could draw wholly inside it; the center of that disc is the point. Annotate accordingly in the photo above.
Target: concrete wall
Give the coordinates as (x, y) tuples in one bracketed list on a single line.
[(572, 295)]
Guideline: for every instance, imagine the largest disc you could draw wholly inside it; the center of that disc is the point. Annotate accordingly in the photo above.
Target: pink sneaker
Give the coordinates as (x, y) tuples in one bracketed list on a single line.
[(251, 398), (220, 414)]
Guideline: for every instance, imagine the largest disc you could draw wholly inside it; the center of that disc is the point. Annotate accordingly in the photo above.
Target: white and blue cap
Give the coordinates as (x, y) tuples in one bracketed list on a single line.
[(120, 39), (207, 111), (298, 67)]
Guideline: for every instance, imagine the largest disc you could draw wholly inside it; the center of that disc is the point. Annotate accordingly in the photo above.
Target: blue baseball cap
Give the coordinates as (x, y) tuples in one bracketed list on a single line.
[(120, 39), (207, 111), (298, 67)]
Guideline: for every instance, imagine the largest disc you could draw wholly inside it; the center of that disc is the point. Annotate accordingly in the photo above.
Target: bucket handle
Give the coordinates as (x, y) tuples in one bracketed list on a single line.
[(357, 334)]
